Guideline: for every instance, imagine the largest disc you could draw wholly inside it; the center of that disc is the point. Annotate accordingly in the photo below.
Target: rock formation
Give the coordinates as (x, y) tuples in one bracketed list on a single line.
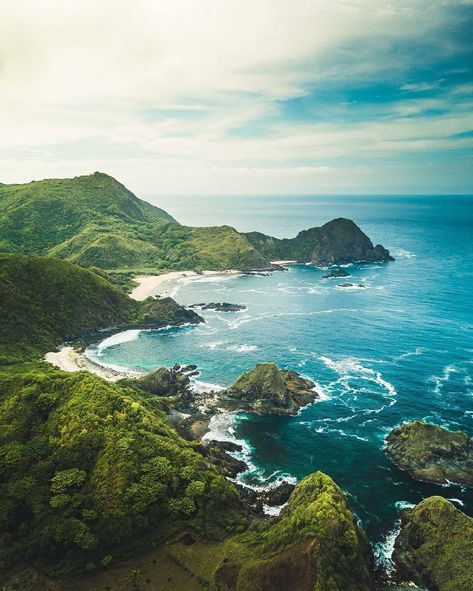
[(315, 545), (267, 389), (431, 453), (435, 546)]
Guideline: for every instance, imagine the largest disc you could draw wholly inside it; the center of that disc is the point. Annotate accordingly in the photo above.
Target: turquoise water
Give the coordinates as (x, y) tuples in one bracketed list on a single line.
[(400, 349)]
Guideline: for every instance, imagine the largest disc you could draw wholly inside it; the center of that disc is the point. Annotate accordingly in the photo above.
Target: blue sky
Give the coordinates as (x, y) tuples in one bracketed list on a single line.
[(220, 97)]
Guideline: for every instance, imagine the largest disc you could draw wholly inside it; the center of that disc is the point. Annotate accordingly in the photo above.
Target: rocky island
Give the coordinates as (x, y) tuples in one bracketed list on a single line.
[(268, 390), (431, 453)]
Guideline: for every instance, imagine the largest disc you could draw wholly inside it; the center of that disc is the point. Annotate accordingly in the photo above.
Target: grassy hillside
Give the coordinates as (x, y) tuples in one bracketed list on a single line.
[(45, 301), (95, 221)]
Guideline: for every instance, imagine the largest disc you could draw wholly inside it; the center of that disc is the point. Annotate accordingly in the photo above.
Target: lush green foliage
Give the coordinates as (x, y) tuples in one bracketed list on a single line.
[(87, 467), (45, 301), (87, 219), (316, 546), (435, 546)]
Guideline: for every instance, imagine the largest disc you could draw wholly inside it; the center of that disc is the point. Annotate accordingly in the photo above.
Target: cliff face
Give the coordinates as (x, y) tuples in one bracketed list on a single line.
[(431, 453), (267, 389), (435, 546), (315, 545), (337, 242)]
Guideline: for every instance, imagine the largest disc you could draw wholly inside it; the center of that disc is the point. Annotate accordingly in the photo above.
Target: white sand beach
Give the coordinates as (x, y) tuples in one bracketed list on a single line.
[(164, 285), (69, 359)]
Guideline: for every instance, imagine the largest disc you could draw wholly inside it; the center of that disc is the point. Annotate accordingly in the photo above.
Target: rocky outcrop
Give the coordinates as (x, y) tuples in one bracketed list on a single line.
[(431, 453), (316, 544), (220, 307), (351, 285), (267, 389), (435, 546), (165, 311), (338, 242), (335, 273)]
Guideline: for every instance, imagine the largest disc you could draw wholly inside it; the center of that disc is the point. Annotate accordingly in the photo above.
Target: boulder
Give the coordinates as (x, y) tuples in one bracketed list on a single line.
[(267, 389), (435, 546), (431, 453), (316, 544)]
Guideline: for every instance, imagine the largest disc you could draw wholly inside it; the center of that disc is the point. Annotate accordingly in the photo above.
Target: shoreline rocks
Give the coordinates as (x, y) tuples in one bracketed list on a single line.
[(431, 453), (335, 273)]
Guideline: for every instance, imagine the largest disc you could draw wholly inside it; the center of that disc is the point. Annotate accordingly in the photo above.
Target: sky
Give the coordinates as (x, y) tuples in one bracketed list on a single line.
[(240, 96)]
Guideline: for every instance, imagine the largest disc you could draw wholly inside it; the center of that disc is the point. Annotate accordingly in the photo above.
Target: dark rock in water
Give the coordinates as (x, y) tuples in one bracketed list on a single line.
[(335, 273), (435, 546), (223, 307), (251, 497), (266, 389), (316, 544), (187, 369), (431, 453), (225, 463), (226, 445)]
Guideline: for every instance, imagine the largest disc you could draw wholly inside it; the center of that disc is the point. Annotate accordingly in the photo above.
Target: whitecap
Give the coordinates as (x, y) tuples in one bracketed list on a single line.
[(242, 348), (273, 511), (117, 339), (384, 549)]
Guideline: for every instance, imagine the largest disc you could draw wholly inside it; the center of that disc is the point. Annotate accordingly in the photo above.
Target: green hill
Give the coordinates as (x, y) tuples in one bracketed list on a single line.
[(95, 221), (45, 301)]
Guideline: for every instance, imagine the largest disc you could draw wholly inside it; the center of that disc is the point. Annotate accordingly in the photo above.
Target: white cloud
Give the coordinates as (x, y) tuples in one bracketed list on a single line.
[(83, 76)]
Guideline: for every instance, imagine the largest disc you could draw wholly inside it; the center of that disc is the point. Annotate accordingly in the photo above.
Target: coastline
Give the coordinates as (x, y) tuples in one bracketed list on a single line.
[(72, 360), (165, 284)]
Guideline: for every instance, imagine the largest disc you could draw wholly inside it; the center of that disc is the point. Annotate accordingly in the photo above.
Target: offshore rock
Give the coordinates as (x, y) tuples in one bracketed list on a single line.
[(432, 453), (267, 389)]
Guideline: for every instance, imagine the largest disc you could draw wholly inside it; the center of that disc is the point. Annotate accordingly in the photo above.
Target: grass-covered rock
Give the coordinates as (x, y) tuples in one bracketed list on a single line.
[(435, 546), (336, 242), (316, 545), (431, 453), (267, 389)]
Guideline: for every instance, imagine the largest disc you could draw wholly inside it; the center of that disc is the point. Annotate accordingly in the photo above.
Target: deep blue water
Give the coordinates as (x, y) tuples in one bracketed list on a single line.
[(400, 349)]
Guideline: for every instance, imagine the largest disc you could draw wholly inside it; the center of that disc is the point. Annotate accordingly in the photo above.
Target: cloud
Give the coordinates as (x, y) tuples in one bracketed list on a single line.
[(176, 93)]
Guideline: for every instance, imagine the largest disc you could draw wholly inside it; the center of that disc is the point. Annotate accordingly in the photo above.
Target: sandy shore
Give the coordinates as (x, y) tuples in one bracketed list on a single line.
[(288, 262), (69, 359), (164, 285)]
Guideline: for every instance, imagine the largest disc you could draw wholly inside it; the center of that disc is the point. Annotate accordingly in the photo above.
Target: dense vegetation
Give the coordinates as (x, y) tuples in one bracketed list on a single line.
[(87, 468), (45, 301), (315, 546), (435, 546)]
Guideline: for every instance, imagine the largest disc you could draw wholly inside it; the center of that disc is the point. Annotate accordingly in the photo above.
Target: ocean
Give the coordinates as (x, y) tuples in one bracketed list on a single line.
[(401, 348)]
